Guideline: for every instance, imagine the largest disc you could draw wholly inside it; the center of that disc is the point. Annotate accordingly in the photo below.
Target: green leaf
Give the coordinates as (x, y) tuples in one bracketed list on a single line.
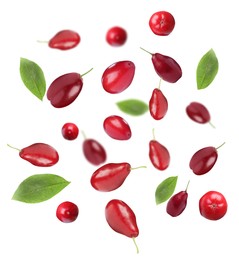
[(165, 189), (33, 77), (39, 187), (207, 69), (133, 107)]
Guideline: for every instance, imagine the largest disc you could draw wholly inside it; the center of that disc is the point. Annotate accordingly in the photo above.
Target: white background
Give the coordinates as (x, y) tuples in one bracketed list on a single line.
[(32, 231)]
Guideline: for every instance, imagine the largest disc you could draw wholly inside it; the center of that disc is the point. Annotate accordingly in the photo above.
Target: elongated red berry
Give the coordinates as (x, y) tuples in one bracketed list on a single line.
[(117, 127), (110, 176), (198, 113), (94, 151), (158, 155), (122, 219), (118, 76), (166, 67), (65, 89), (39, 154), (177, 203), (64, 40), (204, 159), (158, 104)]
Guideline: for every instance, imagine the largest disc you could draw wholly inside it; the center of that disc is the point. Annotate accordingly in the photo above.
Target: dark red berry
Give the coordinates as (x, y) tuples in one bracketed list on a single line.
[(166, 67), (204, 159), (177, 203), (65, 89), (198, 113), (93, 151)]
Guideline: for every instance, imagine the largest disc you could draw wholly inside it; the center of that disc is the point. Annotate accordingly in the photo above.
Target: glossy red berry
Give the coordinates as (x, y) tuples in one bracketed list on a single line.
[(204, 159), (158, 155), (65, 89), (117, 128), (39, 154), (213, 205), (158, 104), (177, 203), (111, 176), (64, 40), (116, 36), (67, 212), (93, 151), (70, 131), (162, 23), (121, 218), (118, 76), (166, 67), (198, 113)]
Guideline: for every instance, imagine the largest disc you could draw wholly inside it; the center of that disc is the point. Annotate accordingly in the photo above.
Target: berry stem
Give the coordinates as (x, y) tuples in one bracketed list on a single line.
[(137, 248), (153, 134), (220, 145), (86, 72), (187, 186), (13, 147), (146, 51), (139, 167), (84, 135), (40, 41), (211, 124), (160, 81)]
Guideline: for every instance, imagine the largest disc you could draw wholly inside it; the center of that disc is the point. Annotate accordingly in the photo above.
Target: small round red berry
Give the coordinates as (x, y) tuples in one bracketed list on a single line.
[(70, 131), (162, 23), (67, 212), (116, 36)]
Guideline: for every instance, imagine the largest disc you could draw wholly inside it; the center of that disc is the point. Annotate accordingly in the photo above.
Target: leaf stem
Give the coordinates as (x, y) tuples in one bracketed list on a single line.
[(86, 72), (146, 51), (220, 145), (139, 167), (137, 248), (13, 147)]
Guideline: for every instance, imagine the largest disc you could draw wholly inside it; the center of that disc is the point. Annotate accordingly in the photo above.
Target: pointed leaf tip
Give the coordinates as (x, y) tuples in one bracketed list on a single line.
[(39, 187)]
